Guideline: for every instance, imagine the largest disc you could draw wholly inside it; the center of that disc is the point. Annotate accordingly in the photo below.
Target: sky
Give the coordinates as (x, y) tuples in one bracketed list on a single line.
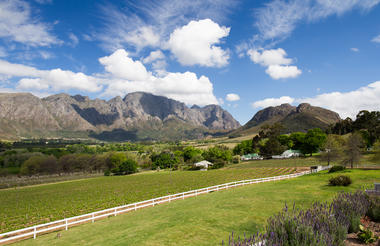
[(243, 55)]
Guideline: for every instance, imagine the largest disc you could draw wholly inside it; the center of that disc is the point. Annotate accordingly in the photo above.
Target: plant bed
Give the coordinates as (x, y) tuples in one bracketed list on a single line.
[(352, 238)]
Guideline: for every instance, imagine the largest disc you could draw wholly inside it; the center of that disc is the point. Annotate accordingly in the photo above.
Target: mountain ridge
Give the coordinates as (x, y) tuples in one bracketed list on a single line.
[(25, 115)]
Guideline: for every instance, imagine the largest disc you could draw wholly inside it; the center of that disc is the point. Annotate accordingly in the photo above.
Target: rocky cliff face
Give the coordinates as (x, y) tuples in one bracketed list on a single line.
[(293, 118), (136, 112)]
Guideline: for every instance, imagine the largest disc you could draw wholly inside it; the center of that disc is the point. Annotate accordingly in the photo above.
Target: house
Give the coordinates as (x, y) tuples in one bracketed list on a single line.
[(204, 165), (248, 157), (288, 154)]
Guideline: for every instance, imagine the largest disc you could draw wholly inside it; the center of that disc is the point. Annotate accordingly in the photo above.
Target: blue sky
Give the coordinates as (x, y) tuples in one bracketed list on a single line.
[(244, 55)]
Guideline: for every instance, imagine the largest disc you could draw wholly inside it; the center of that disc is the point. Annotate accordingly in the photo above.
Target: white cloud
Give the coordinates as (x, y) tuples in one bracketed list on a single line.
[(74, 39), (150, 22), (277, 19), (354, 49), (185, 87), (276, 62), (55, 79), (346, 104), (269, 57), (18, 25), (376, 39), (153, 56), (272, 102), (283, 72), (123, 67), (195, 42), (232, 97)]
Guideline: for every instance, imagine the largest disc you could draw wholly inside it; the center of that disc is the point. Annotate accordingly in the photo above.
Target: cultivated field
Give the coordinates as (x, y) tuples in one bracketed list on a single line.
[(207, 219), (26, 206)]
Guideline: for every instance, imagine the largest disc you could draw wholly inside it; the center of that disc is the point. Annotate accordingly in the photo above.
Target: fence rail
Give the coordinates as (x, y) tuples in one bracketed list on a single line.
[(65, 224)]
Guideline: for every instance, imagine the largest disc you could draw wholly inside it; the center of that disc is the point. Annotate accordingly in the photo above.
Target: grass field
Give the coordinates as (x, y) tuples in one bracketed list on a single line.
[(207, 219), (26, 206)]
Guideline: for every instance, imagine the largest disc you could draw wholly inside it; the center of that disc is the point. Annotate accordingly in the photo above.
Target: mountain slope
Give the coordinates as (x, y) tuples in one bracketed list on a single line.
[(136, 117), (301, 118)]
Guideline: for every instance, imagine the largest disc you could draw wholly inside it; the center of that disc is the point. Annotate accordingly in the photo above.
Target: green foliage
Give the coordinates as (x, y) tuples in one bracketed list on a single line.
[(341, 180), (298, 139), (272, 147), (163, 160), (366, 235), (374, 208), (128, 166), (314, 140), (243, 148), (40, 165), (337, 169), (285, 140), (331, 150), (218, 154), (354, 224), (191, 154)]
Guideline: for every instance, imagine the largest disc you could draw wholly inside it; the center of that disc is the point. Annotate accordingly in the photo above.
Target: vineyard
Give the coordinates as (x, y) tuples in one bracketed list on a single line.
[(23, 207)]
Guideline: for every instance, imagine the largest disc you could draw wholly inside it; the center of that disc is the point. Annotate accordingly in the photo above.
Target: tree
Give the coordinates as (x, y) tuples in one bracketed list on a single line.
[(376, 150), (190, 153), (272, 147), (243, 148), (163, 160), (298, 139), (331, 150), (217, 153), (129, 166), (314, 139), (286, 141), (353, 149)]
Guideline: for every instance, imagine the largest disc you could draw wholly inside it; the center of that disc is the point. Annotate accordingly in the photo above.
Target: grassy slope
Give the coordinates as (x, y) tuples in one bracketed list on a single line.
[(32, 205), (207, 219)]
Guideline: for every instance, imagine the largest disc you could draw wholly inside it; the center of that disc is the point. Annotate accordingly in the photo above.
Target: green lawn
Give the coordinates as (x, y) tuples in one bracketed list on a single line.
[(207, 219), (27, 206)]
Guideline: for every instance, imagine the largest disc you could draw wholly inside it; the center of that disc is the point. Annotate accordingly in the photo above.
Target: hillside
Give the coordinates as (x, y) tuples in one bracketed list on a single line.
[(138, 116), (300, 118)]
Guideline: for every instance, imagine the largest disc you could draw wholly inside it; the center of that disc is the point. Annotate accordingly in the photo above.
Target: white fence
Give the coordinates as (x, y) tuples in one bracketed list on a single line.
[(65, 224)]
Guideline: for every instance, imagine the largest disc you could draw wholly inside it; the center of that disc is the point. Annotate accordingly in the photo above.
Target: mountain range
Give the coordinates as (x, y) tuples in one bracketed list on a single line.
[(137, 116)]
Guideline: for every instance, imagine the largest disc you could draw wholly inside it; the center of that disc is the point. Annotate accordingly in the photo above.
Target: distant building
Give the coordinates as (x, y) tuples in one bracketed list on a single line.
[(288, 154), (204, 165), (253, 156)]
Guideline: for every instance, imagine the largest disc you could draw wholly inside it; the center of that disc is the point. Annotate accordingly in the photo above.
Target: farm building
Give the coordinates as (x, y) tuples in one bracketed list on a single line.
[(248, 157), (288, 154), (203, 164)]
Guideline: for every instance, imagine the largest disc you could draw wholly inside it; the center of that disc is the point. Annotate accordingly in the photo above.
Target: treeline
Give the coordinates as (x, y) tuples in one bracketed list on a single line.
[(112, 159), (366, 123), (270, 142)]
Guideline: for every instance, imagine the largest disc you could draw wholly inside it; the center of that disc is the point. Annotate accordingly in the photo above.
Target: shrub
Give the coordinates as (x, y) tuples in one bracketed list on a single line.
[(374, 208), (107, 173), (322, 224), (340, 180), (366, 236), (129, 166), (337, 169), (354, 224)]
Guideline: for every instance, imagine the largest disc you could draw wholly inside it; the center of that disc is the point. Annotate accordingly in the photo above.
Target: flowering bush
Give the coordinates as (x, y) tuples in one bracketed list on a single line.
[(322, 224)]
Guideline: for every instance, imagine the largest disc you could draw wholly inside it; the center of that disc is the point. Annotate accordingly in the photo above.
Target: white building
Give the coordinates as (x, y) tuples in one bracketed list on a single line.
[(203, 164)]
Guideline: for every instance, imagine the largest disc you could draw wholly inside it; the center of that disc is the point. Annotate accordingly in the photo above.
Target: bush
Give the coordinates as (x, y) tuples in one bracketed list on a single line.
[(322, 224), (340, 180), (366, 236), (374, 208), (337, 169), (354, 224), (129, 166)]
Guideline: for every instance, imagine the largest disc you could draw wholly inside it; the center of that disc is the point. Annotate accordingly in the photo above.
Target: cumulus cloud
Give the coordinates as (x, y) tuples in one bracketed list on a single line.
[(195, 42), (153, 56), (277, 19), (272, 102), (18, 25), (346, 104), (376, 39), (126, 76), (55, 79), (276, 62), (149, 23), (123, 67), (232, 97), (121, 75)]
